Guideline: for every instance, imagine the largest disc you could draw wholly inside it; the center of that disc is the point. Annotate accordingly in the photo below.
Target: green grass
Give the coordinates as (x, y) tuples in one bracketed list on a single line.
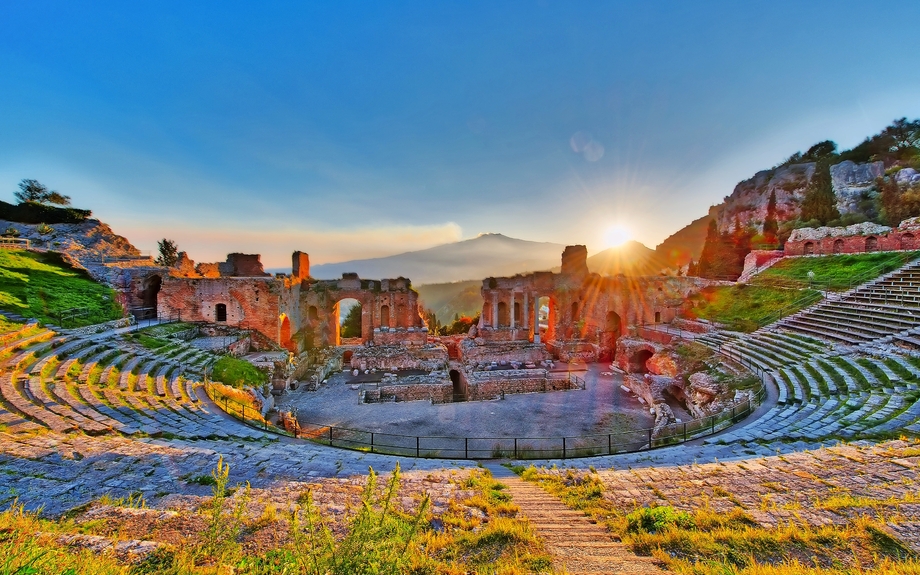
[(237, 373), (747, 307), (41, 285), (7, 326), (834, 272)]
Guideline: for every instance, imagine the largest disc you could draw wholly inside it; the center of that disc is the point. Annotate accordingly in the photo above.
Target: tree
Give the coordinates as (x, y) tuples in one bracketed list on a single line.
[(820, 202), (903, 137), (820, 151), (770, 225), (351, 327), (35, 191), (169, 253)]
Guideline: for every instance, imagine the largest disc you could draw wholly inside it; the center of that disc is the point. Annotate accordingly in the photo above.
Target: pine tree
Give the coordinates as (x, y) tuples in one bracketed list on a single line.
[(169, 253), (770, 225), (820, 203)]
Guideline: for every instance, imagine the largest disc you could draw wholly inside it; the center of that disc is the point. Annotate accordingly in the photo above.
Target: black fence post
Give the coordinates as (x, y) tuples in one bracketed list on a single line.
[(609, 444), (330, 435), (515, 447), (417, 441), (650, 438), (466, 448), (563, 448), (372, 442)]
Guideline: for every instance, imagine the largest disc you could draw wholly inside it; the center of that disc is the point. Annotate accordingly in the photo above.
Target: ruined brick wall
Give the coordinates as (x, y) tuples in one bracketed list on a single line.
[(390, 303), (582, 306), (251, 303), (437, 392), (391, 357), (892, 241)]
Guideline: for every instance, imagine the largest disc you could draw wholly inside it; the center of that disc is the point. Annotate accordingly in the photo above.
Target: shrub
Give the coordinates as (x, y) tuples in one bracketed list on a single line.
[(657, 519)]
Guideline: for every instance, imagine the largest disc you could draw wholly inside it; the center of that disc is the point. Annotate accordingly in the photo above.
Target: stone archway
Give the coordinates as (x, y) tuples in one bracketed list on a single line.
[(150, 291), (809, 248), (871, 244), (284, 334), (638, 360), (838, 246)]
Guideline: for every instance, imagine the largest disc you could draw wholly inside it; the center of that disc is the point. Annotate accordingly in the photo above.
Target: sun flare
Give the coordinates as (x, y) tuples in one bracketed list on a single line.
[(616, 235)]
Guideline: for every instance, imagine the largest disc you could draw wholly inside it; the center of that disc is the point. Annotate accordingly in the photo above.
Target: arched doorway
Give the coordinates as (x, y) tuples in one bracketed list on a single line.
[(148, 296), (284, 334), (518, 317), (657, 317), (638, 360), (613, 323), (871, 244), (385, 316), (546, 318), (460, 391), (809, 248), (220, 312), (838, 246), (349, 321)]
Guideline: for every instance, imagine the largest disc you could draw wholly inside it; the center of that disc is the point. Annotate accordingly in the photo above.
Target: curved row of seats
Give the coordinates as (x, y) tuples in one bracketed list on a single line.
[(98, 385), (844, 368)]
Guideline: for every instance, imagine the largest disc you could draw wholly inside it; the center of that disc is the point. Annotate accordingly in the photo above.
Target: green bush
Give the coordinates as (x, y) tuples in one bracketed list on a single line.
[(657, 519), (237, 373)]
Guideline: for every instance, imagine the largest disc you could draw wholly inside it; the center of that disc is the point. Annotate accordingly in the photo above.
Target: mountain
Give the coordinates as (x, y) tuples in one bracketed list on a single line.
[(687, 243), (630, 258), (450, 299), (474, 259)]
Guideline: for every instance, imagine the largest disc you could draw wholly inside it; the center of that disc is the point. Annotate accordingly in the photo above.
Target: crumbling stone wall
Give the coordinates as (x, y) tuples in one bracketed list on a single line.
[(858, 238), (385, 357), (584, 307)]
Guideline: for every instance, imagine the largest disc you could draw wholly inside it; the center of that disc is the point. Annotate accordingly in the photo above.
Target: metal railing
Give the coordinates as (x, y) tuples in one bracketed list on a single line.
[(448, 447)]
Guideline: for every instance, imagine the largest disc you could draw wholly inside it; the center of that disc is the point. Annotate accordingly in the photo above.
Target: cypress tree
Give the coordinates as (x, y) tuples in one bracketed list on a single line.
[(820, 202), (770, 225)]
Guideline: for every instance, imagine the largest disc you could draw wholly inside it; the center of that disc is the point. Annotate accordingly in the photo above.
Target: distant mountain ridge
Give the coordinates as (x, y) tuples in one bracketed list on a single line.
[(484, 256)]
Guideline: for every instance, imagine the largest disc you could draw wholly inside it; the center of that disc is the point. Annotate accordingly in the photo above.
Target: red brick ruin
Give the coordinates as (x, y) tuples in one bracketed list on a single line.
[(586, 313)]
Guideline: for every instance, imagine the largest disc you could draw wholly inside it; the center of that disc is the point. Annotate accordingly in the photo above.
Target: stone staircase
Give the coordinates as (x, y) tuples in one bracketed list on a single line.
[(98, 386), (577, 543)]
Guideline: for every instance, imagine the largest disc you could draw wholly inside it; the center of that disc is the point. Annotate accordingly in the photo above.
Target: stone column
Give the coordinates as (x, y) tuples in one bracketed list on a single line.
[(536, 319), (494, 310), (392, 311), (511, 310), (525, 312)]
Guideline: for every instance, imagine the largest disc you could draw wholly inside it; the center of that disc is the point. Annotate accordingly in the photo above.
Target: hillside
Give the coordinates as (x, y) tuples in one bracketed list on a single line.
[(41, 285), (686, 243), (477, 258), (450, 299)]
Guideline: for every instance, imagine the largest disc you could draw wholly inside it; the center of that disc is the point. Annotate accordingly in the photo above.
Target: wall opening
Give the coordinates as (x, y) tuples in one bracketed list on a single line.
[(459, 387), (149, 293), (313, 314), (638, 360), (657, 317), (613, 324), (546, 322), (385, 316), (838, 246), (220, 312), (349, 321), (809, 248), (284, 334), (503, 319), (518, 317), (871, 244)]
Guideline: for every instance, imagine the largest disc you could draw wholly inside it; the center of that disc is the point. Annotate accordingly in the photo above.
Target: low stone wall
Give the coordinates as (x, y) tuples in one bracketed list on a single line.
[(441, 392), (101, 327), (474, 351), (575, 351), (486, 385), (400, 336), (428, 357)]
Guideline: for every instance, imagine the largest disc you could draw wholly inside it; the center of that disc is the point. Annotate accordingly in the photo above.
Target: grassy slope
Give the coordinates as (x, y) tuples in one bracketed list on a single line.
[(835, 272), (747, 307), (41, 285), (237, 373)]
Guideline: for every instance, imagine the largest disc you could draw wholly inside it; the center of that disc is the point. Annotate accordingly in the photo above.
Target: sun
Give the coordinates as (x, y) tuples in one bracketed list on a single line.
[(616, 235)]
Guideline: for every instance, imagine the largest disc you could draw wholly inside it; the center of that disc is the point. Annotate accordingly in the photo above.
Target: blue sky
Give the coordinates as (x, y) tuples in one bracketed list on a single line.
[(361, 129)]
